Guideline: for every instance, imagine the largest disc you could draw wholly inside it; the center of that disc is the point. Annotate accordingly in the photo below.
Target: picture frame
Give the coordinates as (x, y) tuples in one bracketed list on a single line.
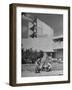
[(22, 66)]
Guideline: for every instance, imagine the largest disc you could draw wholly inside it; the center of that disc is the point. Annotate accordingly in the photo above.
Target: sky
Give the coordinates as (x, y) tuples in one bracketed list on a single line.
[(55, 21)]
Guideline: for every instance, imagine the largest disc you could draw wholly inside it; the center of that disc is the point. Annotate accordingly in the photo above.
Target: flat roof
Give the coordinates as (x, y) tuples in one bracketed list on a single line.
[(58, 37)]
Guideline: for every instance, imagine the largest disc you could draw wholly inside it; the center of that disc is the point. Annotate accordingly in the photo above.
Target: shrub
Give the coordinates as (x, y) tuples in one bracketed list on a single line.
[(30, 56)]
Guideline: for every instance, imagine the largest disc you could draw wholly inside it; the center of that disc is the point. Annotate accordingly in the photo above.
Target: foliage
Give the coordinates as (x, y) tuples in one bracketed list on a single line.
[(30, 56)]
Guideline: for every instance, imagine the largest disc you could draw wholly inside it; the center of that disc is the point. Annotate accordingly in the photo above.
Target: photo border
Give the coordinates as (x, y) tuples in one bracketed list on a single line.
[(12, 63)]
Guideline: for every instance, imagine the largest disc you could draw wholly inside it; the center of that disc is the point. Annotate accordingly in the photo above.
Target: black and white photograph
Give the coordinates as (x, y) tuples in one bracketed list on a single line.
[(42, 44), (41, 37)]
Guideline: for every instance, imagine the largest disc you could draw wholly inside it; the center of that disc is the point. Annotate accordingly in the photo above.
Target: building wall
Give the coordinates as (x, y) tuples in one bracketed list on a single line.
[(44, 44), (58, 53), (44, 30), (44, 37), (58, 45)]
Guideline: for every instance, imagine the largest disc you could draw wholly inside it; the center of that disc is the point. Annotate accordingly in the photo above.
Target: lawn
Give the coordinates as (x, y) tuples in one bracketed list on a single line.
[(29, 70)]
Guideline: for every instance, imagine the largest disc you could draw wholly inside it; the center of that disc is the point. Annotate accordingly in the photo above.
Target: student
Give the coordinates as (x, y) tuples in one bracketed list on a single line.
[(47, 67), (37, 66)]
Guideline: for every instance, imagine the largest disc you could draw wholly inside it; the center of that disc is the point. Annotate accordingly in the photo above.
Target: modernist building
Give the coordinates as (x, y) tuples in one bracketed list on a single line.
[(37, 35), (58, 46)]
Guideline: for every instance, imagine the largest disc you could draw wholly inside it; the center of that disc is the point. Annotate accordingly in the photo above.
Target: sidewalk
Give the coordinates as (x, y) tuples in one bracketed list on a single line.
[(42, 73)]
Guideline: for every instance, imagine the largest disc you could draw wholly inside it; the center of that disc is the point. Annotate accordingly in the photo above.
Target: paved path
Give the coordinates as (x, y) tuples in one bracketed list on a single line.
[(42, 73)]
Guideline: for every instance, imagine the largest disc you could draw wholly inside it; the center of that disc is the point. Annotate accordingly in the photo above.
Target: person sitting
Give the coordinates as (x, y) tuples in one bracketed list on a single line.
[(47, 67)]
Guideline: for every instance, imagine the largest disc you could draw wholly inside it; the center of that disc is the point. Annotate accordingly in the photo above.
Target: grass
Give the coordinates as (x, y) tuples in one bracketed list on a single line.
[(31, 67)]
